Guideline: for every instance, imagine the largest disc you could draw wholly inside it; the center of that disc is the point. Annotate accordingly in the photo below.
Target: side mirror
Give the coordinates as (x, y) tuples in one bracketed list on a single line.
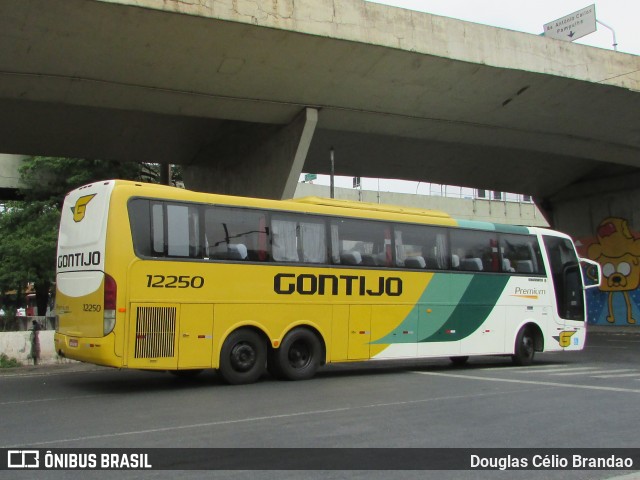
[(591, 273)]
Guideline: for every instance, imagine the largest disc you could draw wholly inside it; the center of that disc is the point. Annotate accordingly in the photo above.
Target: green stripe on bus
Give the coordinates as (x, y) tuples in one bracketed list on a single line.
[(472, 310), (493, 227), (452, 307), (441, 295)]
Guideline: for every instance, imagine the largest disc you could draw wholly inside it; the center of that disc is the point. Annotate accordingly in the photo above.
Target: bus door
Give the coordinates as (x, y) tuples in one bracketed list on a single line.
[(195, 339), (567, 279), (359, 332), (567, 284)]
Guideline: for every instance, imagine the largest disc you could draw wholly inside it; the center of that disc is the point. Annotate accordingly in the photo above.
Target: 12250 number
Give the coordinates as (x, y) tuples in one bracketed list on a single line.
[(174, 281)]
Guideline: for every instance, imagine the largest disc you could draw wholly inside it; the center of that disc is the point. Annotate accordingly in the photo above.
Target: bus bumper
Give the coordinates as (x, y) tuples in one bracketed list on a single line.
[(99, 351)]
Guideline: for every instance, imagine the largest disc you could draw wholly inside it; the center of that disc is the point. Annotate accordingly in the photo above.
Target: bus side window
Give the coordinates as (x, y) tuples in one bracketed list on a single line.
[(477, 250), (361, 242), (157, 229), (183, 238), (298, 238), (284, 241), (521, 254), (421, 247), (161, 229), (236, 234), (140, 221)]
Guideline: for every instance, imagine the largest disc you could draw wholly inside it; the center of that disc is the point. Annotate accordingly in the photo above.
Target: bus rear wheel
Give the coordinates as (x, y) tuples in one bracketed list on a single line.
[(524, 348), (298, 357), (243, 357)]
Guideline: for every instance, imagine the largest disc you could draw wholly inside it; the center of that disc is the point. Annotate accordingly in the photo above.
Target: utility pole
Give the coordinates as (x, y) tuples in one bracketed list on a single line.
[(333, 169)]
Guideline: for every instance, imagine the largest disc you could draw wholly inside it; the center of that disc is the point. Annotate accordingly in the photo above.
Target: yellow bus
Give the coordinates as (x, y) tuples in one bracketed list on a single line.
[(156, 277)]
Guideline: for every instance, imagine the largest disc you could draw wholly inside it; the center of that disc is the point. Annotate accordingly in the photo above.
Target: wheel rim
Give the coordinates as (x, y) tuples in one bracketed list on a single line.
[(527, 345), (299, 355), (243, 357)]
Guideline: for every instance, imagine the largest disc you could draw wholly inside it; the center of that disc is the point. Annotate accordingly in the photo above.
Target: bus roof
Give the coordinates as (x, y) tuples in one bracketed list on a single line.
[(319, 205), (374, 207)]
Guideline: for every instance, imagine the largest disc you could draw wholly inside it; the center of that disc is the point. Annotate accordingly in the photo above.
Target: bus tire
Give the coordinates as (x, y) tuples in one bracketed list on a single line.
[(524, 348), (299, 355), (243, 357)]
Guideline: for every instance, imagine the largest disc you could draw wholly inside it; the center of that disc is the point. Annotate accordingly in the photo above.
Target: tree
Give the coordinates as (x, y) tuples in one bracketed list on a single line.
[(29, 228), (49, 179), (28, 233)]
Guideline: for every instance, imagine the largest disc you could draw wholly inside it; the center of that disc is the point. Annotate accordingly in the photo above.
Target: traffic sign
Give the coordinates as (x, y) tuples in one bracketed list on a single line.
[(573, 26)]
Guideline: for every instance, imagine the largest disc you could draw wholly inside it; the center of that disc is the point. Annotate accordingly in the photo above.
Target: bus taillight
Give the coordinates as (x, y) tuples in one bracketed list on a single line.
[(110, 295)]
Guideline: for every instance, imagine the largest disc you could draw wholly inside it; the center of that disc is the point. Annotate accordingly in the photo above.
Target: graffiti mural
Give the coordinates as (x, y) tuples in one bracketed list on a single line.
[(617, 249)]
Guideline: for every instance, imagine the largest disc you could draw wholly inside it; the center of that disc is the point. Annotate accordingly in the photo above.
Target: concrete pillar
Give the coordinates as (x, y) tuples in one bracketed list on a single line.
[(603, 217), (268, 166), (10, 170), (10, 182)]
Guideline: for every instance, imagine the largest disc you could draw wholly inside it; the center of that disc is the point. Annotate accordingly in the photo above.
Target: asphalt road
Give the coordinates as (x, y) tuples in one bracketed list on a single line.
[(585, 399)]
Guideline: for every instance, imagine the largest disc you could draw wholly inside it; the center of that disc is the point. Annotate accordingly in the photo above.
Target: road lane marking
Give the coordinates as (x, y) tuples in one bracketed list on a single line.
[(608, 347), (619, 375), (539, 368), (52, 399), (575, 369), (594, 372), (532, 382), (550, 371)]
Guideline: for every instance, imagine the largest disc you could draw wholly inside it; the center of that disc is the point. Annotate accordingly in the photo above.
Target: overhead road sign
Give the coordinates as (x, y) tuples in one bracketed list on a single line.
[(573, 26)]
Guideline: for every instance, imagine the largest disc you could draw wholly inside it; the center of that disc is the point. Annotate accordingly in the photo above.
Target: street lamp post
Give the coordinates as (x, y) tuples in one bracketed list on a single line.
[(333, 167)]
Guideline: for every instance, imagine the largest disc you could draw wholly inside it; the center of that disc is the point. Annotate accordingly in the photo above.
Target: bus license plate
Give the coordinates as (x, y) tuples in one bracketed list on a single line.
[(73, 342)]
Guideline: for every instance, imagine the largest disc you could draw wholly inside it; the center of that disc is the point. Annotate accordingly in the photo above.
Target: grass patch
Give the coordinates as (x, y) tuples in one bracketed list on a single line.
[(6, 362)]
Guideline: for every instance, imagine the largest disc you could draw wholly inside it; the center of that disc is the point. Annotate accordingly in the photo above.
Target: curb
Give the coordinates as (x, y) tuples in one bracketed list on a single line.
[(614, 329), (50, 368)]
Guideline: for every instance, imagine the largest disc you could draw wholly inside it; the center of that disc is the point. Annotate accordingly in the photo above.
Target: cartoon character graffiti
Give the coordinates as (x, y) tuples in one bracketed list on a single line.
[(618, 252)]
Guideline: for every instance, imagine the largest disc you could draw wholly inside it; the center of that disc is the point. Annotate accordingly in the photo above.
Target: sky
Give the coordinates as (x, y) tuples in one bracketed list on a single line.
[(528, 16)]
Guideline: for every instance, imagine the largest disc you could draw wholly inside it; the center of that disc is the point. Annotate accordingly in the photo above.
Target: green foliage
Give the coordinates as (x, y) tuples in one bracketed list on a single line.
[(8, 322), (49, 179), (28, 234), (6, 362), (29, 228)]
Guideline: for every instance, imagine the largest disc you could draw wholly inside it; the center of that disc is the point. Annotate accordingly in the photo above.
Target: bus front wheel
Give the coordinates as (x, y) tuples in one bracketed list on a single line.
[(298, 357), (243, 357), (525, 347)]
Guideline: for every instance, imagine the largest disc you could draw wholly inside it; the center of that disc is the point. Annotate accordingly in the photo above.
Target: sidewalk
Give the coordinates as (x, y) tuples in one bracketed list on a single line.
[(614, 329), (50, 368)]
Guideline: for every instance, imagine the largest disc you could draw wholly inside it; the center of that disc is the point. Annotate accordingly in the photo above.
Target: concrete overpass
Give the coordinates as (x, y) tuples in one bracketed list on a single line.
[(249, 94)]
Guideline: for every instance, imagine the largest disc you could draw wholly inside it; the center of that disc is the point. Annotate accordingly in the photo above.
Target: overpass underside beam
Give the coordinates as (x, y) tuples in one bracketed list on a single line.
[(266, 166)]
